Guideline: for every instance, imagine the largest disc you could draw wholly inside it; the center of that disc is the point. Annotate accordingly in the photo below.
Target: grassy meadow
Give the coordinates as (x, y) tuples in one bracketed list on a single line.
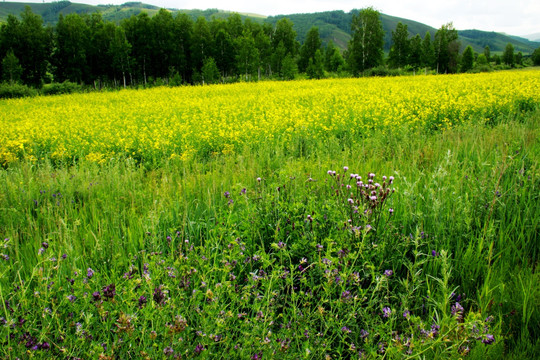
[(353, 218)]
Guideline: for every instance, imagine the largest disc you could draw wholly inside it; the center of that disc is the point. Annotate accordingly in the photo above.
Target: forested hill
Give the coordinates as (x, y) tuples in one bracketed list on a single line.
[(333, 25)]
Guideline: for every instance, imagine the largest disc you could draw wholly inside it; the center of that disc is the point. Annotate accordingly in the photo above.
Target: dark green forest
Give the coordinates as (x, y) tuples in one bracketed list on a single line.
[(156, 47)]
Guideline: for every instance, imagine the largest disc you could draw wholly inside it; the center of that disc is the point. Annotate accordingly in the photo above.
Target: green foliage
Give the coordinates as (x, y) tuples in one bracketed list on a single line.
[(467, 59), (309, 48), (65, 87), (366, 46), (536, 57), (210, 72), (11, 69), (446, 49), (400, 50), (289, 69), (15, 90), (508, 56)]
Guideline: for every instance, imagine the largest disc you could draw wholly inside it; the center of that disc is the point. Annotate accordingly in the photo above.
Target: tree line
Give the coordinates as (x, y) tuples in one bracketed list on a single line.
[(144, 50)]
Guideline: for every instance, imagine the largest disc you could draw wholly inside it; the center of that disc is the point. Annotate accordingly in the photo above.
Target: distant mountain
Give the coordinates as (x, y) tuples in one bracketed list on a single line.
[(532, 37), (333, 25)]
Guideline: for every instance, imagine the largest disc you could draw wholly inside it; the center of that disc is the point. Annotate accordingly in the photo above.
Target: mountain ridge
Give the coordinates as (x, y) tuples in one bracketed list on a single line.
[(333, 25)]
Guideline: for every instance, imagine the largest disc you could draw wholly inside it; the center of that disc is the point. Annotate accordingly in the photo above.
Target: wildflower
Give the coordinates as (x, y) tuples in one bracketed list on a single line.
[(89, 273), (309, 218), (457, 310), (386, 312), (388, 272), (227, 194), (159, 296), (64, 256), (489, 339), (41, 251), (351, 201), (319, 247), (168, 351), (391, 211), (199, 348), (406, 314), (345, 329), (281, 244), (259, 179), (96, 295), (434, 253), (243, 191), (142, 301), (109, 291), (45, 245), (345, 168), (72, 298)]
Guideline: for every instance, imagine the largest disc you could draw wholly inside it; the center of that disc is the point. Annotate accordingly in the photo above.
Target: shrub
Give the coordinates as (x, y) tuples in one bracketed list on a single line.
[(61, 88), (14, 90)]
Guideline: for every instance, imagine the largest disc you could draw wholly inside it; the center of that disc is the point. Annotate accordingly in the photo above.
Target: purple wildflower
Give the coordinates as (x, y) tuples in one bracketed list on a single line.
[(388, 273), (142, 301), (386, 312), (109, 291), (489, 339), (199, 348), (89, 273), (96, 295), (345, 329), (159, 296), (72, 298), (227, 194)]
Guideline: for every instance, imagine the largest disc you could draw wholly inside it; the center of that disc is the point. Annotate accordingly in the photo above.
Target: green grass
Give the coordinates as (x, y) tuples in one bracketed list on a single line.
[(256, 277)]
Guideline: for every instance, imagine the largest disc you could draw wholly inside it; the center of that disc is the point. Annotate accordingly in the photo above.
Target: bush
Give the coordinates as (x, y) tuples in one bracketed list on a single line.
[(61, 88), (14, 90), (383, 71)]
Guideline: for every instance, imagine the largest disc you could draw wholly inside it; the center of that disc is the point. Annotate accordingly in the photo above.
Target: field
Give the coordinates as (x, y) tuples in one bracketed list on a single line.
[(355, 218)]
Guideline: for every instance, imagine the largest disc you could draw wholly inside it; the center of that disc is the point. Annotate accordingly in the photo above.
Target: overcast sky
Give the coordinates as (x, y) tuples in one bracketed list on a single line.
[(515, 17)]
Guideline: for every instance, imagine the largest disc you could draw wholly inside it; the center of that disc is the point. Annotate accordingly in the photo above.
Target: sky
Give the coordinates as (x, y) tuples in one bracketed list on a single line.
[(516, 17)]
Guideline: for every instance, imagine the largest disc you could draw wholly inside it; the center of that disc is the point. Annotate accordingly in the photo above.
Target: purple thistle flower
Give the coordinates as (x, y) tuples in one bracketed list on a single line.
[(96, 295), (72, 298), (386, 312), (351, 201), (391, 211), (227, 194), (319, 247), (89, 273), (345, 168), (142, 301), (243, 191), (64, 256), (45, 244), (259, 179), (373, 198), (41, 251)]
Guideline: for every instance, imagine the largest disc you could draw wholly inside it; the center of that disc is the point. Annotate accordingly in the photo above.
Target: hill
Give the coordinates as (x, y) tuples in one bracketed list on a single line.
[(333, 25)]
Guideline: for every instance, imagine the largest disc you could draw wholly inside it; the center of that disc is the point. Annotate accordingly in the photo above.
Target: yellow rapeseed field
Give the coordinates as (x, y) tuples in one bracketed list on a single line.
[(178, 123)]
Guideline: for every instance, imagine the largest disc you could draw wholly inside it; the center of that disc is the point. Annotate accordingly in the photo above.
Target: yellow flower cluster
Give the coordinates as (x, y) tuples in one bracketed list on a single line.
[(179, 123)]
